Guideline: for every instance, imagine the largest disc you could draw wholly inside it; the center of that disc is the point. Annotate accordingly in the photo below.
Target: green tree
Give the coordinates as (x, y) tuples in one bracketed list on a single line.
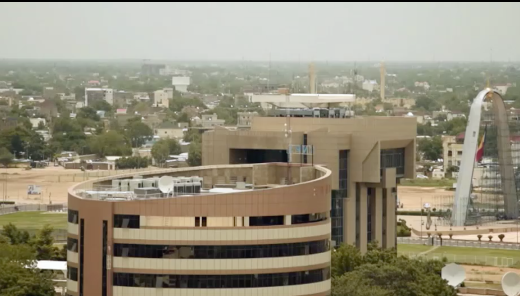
[(88, 113), (382, 273), (14, 235), (426, 103), (345, 259), (160, 151), (41, 125), (431, 148), (195, 154), (192, 135), (6, 158), (138, 132), (43, 243), (133, 162), (18, 280), (110, 143), (102, 105)]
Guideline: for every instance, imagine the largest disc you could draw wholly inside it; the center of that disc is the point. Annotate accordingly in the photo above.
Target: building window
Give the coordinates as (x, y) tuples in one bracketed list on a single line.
[(343, 169), (385, 194), (72, 273), (308, 218), (126, 221), (304, 143), (104, 259), (72, 244), (221, 252), (370, 193), (336, 212), (81, 254), (459, 153), (266, 221), (393, 158), (358, 210), (450, 153), (73, 216), (221, 281)]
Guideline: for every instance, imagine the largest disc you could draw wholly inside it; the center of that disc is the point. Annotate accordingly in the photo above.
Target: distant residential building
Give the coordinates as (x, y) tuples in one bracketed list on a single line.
[(452, 150), (244, 119), (49, 92), (141, 96), (454, 114), (122, 98), (211, 120), (152, 69), (370, 85), (169, 92), (35, 122), (93, 83), (160, 99), (181, 83), (48, 108), (422, 84), (152, 120), (171, 130), (69, 97), (7, 100), (96, 94)]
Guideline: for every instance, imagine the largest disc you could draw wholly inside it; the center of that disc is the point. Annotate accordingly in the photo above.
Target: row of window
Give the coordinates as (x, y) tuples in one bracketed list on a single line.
[(133, 221), (221, 252), (221, 281), (393, 158), (73, 216)]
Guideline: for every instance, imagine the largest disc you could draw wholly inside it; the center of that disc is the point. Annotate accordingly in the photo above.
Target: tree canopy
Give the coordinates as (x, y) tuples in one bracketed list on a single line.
[(18, 251), (163, 148), (382, 273), (5, 157), (431, 148)]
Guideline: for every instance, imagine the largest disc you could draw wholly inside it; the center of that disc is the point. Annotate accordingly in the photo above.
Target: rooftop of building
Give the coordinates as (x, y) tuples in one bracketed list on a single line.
[(212, 180)]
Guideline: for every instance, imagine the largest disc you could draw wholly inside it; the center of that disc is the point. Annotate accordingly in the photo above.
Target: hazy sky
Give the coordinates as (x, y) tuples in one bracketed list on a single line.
[(289, 31)]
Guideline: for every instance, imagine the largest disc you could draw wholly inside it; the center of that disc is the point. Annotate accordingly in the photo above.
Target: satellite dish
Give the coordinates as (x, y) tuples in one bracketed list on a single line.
[(166, 184), (511, 283), (454, 274)]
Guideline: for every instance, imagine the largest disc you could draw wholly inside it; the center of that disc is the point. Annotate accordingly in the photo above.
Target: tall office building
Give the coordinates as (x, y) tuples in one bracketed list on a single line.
[(367, 157), (231, 230)]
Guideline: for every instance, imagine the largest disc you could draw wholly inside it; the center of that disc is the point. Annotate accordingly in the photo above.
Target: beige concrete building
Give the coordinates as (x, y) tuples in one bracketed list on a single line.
[(452, 147), (171, 130), (160, 99), (211, 120), (367, 157), (244, 119), (262, 240)]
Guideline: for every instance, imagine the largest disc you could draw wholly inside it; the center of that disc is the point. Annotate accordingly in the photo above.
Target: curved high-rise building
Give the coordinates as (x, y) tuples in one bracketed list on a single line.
[(243, 233)]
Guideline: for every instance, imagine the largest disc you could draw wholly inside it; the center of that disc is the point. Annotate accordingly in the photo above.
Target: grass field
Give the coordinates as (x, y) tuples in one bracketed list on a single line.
[(404, 248), (428, 182), (478, 252), (35, 220)]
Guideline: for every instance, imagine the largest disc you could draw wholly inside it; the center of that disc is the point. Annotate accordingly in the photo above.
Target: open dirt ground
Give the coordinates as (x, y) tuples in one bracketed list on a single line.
[(412, 196), (18, 179), (53, 181)]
